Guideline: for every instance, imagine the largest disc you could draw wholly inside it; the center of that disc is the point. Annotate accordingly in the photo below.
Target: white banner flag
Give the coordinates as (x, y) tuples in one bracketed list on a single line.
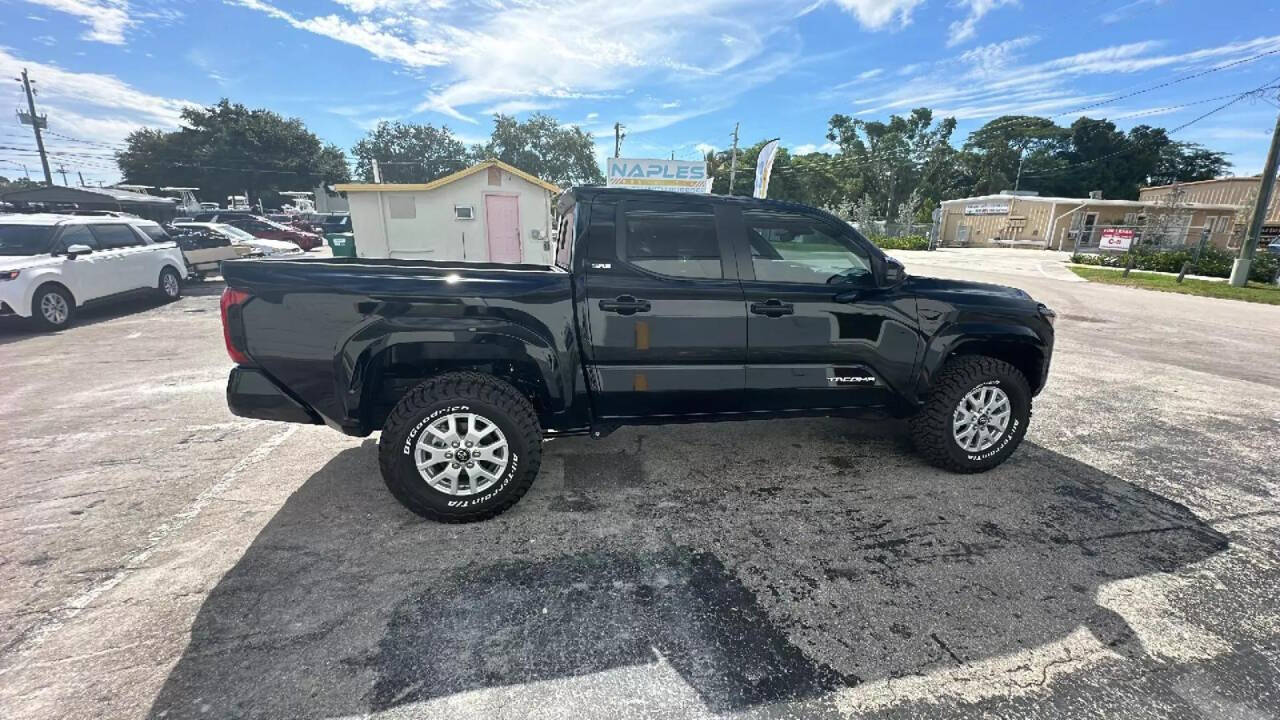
[(764, 168)]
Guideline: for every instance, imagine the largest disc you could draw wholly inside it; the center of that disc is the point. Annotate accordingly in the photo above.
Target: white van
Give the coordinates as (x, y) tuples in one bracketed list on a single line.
[(50, 265)]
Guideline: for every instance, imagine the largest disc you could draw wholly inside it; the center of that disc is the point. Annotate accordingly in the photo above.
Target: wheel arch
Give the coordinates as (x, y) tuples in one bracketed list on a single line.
[(45, 282), (1017, 345)]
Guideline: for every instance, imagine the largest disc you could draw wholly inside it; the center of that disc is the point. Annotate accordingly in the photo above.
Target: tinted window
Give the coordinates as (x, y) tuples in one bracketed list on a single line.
[(602, 238), (156, 233), (77, 235), (25, 239), (564, 238), (115, 236), (675, 239), (789, 246)]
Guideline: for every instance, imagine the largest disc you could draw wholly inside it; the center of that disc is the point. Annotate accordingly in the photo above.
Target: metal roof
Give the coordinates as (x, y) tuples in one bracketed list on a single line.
[(1087, 201), (438, 182), (64, 193)]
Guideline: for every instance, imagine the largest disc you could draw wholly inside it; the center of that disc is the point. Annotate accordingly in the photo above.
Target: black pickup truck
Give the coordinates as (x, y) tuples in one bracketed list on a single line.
[(661, 307)]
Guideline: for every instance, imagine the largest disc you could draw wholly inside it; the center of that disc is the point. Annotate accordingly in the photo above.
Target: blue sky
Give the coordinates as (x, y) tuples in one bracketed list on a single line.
[(678, 74)]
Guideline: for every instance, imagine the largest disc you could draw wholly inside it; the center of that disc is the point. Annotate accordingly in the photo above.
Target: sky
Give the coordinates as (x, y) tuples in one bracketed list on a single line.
[(678, 75)]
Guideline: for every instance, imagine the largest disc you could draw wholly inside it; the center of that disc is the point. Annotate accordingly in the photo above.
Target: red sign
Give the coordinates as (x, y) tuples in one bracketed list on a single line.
[(1115, 239)]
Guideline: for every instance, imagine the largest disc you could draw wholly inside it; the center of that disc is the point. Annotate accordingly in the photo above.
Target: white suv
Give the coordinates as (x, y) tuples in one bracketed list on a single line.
[(52, 264)]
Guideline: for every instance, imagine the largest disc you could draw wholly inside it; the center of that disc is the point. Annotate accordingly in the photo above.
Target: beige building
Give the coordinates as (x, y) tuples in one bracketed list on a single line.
[(1058, 223), (490, 212), (1238, 191)]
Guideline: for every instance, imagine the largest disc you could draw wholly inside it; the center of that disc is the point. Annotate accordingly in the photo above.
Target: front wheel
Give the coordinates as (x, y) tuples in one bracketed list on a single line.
[(52, 308), (461, 447), (976, 415), (170, 284)]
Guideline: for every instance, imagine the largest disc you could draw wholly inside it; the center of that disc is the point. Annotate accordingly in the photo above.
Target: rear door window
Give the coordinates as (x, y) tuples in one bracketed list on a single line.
[(115, 236), (673, 239), (77, 235)]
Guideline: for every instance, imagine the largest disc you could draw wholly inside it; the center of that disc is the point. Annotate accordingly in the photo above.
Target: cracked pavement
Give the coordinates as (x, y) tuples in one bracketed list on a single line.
[(161, 558)]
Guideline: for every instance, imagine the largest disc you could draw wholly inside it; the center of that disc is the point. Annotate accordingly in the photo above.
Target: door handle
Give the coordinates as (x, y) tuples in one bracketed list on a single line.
[(772, 308), (625, 305)]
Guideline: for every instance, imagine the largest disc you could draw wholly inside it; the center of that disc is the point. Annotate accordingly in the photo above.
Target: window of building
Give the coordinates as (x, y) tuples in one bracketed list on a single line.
[(115, 236), (676, 240), (464, 212), (402, 207), (788, 246)]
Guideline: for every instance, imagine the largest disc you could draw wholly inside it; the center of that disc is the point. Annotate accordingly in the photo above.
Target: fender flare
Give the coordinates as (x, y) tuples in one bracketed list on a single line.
[(991, 337)]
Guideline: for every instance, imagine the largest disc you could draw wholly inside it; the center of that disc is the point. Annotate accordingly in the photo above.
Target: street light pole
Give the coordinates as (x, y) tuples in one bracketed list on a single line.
[(1240, 268)]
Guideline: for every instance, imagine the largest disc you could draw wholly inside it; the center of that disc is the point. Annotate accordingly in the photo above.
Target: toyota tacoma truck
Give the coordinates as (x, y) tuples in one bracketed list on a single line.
[(660, 308)]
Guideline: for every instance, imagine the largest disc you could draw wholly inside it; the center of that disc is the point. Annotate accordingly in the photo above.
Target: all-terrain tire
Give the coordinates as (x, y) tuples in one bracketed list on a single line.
[(494, 401), (932, 428), (52, 308)]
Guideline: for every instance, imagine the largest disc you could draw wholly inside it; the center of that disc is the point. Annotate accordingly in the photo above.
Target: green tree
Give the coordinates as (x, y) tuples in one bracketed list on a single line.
[(1188, 162), (7, 185), (992, 154), (409, 153), (889, 160), (228, 149), (560, 154)]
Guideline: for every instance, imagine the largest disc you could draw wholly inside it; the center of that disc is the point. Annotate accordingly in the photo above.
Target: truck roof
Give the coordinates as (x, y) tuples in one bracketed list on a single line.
[(573, 194)]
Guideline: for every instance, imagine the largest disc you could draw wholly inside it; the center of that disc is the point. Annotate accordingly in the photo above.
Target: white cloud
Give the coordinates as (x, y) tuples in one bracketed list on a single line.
[(107, 19), (93, 107), (868, 74), (704, 148), (522, 53), (967, 28), (1128, 10), (363, 33), (879, 14), (515, 107), (994, 80), (804, 149)]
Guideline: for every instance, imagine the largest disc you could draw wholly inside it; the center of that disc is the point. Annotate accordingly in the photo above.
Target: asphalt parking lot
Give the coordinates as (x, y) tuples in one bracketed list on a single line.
[(161, 558)]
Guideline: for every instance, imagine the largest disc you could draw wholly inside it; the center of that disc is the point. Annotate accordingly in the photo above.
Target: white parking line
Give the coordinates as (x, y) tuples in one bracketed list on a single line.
[(61, 616)]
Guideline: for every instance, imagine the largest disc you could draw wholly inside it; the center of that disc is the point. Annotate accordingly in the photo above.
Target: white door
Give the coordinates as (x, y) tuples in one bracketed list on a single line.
[(129, 262), (502, 227), (87, 276)]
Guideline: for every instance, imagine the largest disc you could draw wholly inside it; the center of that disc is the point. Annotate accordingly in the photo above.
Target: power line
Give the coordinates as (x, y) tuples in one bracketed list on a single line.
[(1181, 127)]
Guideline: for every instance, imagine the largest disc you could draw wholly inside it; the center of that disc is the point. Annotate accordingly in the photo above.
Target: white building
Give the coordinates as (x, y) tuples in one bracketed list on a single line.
[(490, 212)]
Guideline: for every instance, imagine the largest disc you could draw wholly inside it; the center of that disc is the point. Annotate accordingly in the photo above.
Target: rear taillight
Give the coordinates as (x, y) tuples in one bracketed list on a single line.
[(233, 324)]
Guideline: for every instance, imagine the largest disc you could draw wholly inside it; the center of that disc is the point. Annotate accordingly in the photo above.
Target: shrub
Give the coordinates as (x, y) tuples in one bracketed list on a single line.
[(1214, 262), (906, 242)]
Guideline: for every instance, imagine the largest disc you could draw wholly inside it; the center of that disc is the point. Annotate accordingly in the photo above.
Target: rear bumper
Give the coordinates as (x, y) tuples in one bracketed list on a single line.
[(251, 394)]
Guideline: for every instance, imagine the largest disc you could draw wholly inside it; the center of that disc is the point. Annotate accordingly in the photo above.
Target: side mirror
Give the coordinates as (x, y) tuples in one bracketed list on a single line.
[(894, 273), (75, 250)]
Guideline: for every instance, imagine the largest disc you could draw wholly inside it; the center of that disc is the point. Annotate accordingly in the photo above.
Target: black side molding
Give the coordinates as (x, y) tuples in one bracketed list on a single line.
[(252, 394)]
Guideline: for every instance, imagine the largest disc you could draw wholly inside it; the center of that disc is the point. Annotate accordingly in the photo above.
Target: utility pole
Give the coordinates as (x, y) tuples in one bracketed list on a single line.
[(35, 125), (1022, 153), (377, 175), (63, 169), (617, 138), (733, 159), (1240, 268), (81, 178)]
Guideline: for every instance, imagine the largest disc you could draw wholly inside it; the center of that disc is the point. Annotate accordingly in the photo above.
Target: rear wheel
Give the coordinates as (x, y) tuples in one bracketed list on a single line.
[(170, 284), (461, 447), (52, 308), (976, 415)]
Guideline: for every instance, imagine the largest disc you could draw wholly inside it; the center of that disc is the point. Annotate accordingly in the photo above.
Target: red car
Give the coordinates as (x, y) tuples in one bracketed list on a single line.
[(261, 227)]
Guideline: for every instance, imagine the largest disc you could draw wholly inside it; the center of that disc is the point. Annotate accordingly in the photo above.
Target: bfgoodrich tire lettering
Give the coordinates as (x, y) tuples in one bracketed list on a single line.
[(933, 431), (464, 394)]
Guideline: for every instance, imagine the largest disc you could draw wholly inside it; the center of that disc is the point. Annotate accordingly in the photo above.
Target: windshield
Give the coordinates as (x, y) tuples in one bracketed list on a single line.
[(25, 239), (233, 232)]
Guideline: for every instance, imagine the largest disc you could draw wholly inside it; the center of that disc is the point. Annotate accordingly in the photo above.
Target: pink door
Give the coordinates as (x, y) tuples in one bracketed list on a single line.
[(502, 225)]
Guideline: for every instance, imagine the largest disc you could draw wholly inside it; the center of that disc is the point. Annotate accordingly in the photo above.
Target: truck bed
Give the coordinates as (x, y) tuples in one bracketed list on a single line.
[(345, 337)]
